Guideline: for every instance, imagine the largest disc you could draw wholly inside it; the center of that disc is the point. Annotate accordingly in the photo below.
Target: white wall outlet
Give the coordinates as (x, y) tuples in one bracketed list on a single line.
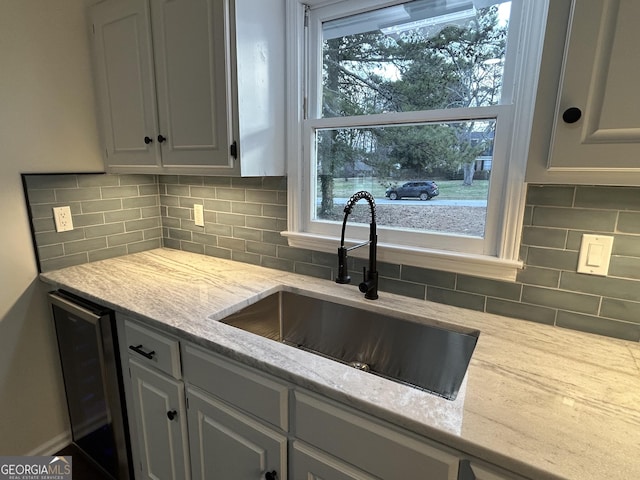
[(198, 215), (62, 218), (595, 254)]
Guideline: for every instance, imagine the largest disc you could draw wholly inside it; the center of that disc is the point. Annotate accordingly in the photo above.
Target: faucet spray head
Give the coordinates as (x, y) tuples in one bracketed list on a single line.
[(343, 276)]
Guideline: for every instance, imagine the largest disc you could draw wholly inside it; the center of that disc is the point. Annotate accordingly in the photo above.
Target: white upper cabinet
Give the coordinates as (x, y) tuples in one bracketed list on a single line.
[(191, 86), (125, 83), (189, 40), (595, 122)]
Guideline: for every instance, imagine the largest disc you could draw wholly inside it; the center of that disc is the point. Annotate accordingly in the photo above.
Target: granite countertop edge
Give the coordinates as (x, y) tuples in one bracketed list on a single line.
[(185, 294)]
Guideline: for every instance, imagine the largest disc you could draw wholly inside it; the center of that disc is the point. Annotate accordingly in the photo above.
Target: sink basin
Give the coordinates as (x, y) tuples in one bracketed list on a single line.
[(427, 357)]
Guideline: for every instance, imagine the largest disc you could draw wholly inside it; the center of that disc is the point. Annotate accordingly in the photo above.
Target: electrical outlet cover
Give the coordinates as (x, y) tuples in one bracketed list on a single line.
[(62, 219)]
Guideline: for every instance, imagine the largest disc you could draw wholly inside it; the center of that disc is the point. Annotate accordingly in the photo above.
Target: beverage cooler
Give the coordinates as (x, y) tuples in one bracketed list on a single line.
[(92, 373)]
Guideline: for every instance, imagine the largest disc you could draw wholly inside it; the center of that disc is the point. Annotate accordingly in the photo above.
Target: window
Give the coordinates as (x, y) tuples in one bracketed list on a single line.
[(427, 104)]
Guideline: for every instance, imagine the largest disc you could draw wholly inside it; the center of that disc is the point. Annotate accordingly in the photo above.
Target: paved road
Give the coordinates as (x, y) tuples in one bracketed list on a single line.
[(434, 202)]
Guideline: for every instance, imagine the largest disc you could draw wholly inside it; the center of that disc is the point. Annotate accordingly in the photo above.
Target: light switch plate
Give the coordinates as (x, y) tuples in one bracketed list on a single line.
[(595, 254), (198, 215)]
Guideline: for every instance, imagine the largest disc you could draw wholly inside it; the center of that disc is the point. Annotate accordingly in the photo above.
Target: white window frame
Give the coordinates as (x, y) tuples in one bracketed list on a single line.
[(497, 255)]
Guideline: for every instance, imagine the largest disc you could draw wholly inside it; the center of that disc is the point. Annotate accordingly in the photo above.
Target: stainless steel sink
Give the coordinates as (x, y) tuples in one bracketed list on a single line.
[(427, 357)]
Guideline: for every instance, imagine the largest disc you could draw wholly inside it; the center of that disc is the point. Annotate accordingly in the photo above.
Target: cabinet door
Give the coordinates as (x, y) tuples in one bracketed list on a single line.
[(190, 41), (227, 444), (125, 83), (600, 79), (372, 446), (260, 85), (161, 423), (308, 463)]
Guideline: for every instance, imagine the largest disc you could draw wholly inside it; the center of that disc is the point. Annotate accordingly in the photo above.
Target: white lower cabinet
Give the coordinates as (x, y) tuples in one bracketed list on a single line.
[(160, 417), (308, 463), (238, 419), (480, 472), (196, 414), (155, 401), (225, 443), (374, 447)]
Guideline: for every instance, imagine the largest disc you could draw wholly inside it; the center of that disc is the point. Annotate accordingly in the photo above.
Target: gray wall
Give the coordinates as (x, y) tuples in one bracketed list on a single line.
[(47, 122), (244, 218)]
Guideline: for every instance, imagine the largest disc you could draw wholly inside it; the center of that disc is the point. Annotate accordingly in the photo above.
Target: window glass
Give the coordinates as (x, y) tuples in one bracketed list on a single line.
[(420, 56), (415, 172)]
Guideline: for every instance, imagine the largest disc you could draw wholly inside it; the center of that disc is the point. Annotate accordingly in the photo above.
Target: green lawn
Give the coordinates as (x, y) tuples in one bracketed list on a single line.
[(449, 189)]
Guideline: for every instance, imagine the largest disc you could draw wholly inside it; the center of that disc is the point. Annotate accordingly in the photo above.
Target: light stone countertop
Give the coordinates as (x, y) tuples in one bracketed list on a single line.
[(540, 401)]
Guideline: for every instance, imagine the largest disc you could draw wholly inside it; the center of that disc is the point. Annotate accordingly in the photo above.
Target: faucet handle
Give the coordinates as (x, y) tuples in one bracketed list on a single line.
[(364, 285), (369, 284)]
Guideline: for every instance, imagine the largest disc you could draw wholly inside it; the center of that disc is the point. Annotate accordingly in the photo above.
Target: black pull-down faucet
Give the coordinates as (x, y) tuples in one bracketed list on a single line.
[(369, 284)]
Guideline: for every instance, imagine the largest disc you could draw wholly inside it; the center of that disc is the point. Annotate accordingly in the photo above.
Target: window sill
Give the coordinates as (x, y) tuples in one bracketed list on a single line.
[(476, 265)]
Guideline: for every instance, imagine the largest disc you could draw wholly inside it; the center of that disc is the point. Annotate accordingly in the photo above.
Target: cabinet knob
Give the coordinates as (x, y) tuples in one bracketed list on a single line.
[(148, 140), (272, 475), (161, 138), (572, 115), (171, 414)]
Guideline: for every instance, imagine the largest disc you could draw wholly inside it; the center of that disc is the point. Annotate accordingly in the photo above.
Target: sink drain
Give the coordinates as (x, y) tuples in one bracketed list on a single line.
[(360, 366)]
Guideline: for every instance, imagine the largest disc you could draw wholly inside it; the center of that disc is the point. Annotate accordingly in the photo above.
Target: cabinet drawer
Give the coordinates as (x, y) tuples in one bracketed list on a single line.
[(308, 462), (153, 348), (244, 388), (369, 445), (477, 471)]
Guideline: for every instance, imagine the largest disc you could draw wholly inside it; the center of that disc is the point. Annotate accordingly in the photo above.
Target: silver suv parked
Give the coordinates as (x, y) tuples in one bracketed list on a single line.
[(424, 190)]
